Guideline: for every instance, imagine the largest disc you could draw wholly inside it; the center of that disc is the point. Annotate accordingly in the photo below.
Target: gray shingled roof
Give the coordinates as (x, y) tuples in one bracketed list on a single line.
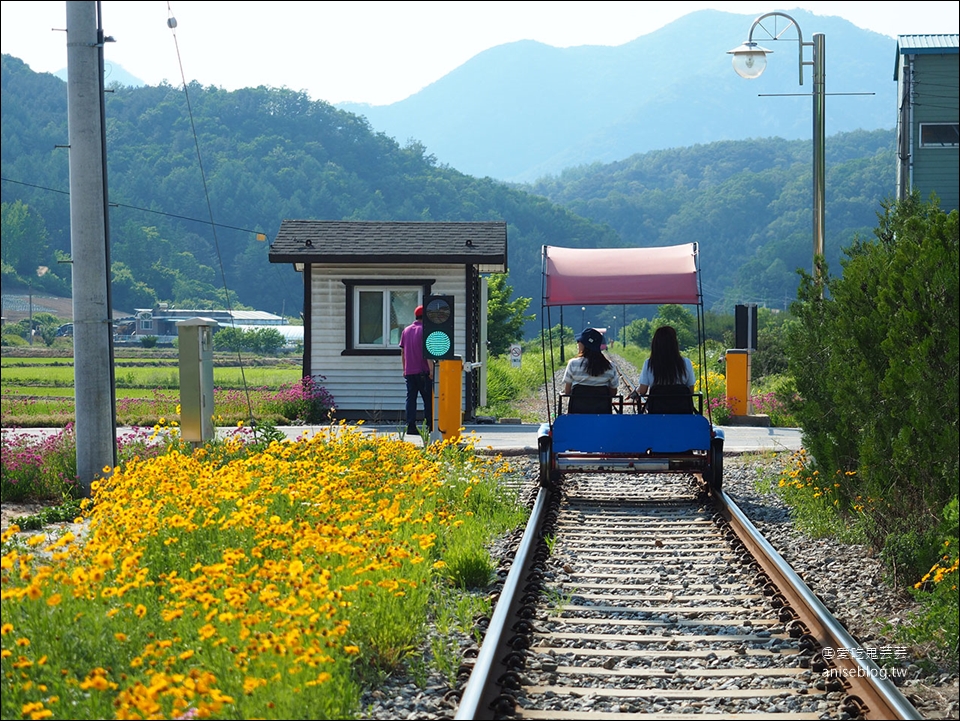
[(341, 241)]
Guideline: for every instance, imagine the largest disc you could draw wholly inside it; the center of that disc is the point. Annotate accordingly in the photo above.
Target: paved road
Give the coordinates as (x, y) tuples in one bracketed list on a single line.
[(521, 439)]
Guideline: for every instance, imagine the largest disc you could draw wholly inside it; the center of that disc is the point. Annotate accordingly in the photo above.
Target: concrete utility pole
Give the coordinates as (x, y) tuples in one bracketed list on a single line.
[(95, 430)]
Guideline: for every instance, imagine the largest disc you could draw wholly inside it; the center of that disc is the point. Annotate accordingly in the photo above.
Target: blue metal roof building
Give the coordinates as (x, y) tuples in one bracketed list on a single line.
[(927, 72)]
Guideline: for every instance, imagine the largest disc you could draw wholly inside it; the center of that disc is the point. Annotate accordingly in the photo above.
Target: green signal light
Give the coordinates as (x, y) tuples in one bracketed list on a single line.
[(437, 343)]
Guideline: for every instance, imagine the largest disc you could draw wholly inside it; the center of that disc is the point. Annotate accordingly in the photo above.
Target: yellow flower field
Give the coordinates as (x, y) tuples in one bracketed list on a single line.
[(225, 583)]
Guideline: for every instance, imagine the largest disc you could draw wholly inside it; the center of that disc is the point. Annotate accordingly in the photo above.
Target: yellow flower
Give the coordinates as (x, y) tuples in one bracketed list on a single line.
[(206, 631)]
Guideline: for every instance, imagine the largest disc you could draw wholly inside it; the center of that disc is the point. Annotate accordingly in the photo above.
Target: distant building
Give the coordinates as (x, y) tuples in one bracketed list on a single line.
[(928, 117), (161, 322)]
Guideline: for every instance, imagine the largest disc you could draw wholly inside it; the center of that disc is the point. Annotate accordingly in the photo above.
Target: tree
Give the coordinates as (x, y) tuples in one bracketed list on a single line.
[(505, 317), (682, 321), (267, 341), (24, 239), (129, 293), (230, 339), (875, 360), (771, 353), (639, 332)]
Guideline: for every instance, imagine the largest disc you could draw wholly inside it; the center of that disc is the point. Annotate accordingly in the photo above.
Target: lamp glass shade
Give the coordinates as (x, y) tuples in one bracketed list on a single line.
[(749, 60)]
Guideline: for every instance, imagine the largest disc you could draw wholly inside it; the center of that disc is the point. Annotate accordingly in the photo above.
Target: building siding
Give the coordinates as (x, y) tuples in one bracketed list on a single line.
[(369, 386), (929, 92)]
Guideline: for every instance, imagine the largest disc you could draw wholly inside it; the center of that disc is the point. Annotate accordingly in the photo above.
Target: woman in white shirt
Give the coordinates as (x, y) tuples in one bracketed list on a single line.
[(591, 367), (665, 366)]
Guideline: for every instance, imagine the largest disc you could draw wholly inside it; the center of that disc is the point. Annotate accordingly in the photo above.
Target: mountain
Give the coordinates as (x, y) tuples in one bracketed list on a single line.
[(113, 74), (522, 110)]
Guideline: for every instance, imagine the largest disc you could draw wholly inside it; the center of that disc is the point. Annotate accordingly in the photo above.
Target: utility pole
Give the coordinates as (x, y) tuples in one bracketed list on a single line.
[(95, 428)]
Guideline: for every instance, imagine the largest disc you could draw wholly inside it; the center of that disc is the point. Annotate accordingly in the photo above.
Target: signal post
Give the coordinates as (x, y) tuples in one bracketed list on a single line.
[(438, 341)]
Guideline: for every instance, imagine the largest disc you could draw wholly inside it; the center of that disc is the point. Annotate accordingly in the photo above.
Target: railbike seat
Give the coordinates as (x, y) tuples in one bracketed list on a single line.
[(590, 399), (674, 399)]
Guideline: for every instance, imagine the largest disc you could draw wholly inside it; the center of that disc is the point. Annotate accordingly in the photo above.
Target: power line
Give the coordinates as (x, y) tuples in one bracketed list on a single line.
[(136, 207)]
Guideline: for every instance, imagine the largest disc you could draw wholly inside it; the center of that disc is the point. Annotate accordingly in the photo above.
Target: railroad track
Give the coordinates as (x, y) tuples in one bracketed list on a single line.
[(645, 597)]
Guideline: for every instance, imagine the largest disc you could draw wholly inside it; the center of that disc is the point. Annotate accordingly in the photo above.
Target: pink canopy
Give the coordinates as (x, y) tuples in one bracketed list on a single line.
[(613, 276)]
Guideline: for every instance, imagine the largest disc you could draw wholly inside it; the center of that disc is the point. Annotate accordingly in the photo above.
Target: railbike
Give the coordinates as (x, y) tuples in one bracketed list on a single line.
[(594, 434)]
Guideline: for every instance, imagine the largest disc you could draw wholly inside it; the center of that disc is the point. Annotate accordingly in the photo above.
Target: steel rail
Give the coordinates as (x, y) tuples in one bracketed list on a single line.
[(881, 699), (480, 693), (878, 697)]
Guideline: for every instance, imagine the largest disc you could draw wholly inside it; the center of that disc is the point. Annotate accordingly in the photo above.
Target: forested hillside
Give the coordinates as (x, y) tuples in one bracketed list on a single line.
[(748, 204), (270, 154)]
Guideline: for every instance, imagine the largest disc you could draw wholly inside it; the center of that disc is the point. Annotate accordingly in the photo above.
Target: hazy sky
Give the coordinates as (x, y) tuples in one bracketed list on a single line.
[(379, 52)]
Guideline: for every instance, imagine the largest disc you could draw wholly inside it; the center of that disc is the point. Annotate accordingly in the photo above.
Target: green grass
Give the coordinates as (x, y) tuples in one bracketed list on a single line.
[(50, 391), (15, 362), (40, 375), (38, 391), (506, 385), (30, 379)]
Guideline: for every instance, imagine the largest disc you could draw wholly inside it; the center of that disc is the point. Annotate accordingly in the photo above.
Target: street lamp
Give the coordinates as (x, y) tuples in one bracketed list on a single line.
[(749, 61), (583, 310)]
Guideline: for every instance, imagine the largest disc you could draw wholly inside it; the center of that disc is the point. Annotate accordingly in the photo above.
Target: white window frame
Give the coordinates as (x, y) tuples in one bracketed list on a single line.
[(386, 291), (954, 144)]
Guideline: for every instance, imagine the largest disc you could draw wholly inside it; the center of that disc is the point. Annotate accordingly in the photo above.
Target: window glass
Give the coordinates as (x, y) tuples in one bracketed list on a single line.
[(381, 314), (402, 305), (939, 135), (370, 317)]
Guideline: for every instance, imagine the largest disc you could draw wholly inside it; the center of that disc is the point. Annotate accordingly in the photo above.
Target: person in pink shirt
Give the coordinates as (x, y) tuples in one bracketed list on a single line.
[(417, 372)]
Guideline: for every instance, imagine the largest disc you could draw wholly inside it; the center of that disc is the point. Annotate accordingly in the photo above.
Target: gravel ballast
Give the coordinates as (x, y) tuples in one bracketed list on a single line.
[(846, 578)]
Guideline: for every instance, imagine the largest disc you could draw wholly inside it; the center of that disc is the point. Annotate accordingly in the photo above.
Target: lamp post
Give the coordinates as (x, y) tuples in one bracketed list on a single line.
[(583, 311), (749, 61)]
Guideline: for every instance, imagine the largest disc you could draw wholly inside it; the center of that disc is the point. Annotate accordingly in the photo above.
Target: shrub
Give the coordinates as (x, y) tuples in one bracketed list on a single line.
[(937, 624), (771, 404), (12, 339), (44, 468), (875, 360), (40, 468), (721, 408), (303, 401)]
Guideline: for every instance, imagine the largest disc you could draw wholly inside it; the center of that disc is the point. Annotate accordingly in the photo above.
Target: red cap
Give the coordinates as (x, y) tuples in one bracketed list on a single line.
[(418, 311)]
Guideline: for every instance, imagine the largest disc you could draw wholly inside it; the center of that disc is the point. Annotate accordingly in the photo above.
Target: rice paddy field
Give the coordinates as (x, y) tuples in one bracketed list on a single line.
[(37, 390)]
